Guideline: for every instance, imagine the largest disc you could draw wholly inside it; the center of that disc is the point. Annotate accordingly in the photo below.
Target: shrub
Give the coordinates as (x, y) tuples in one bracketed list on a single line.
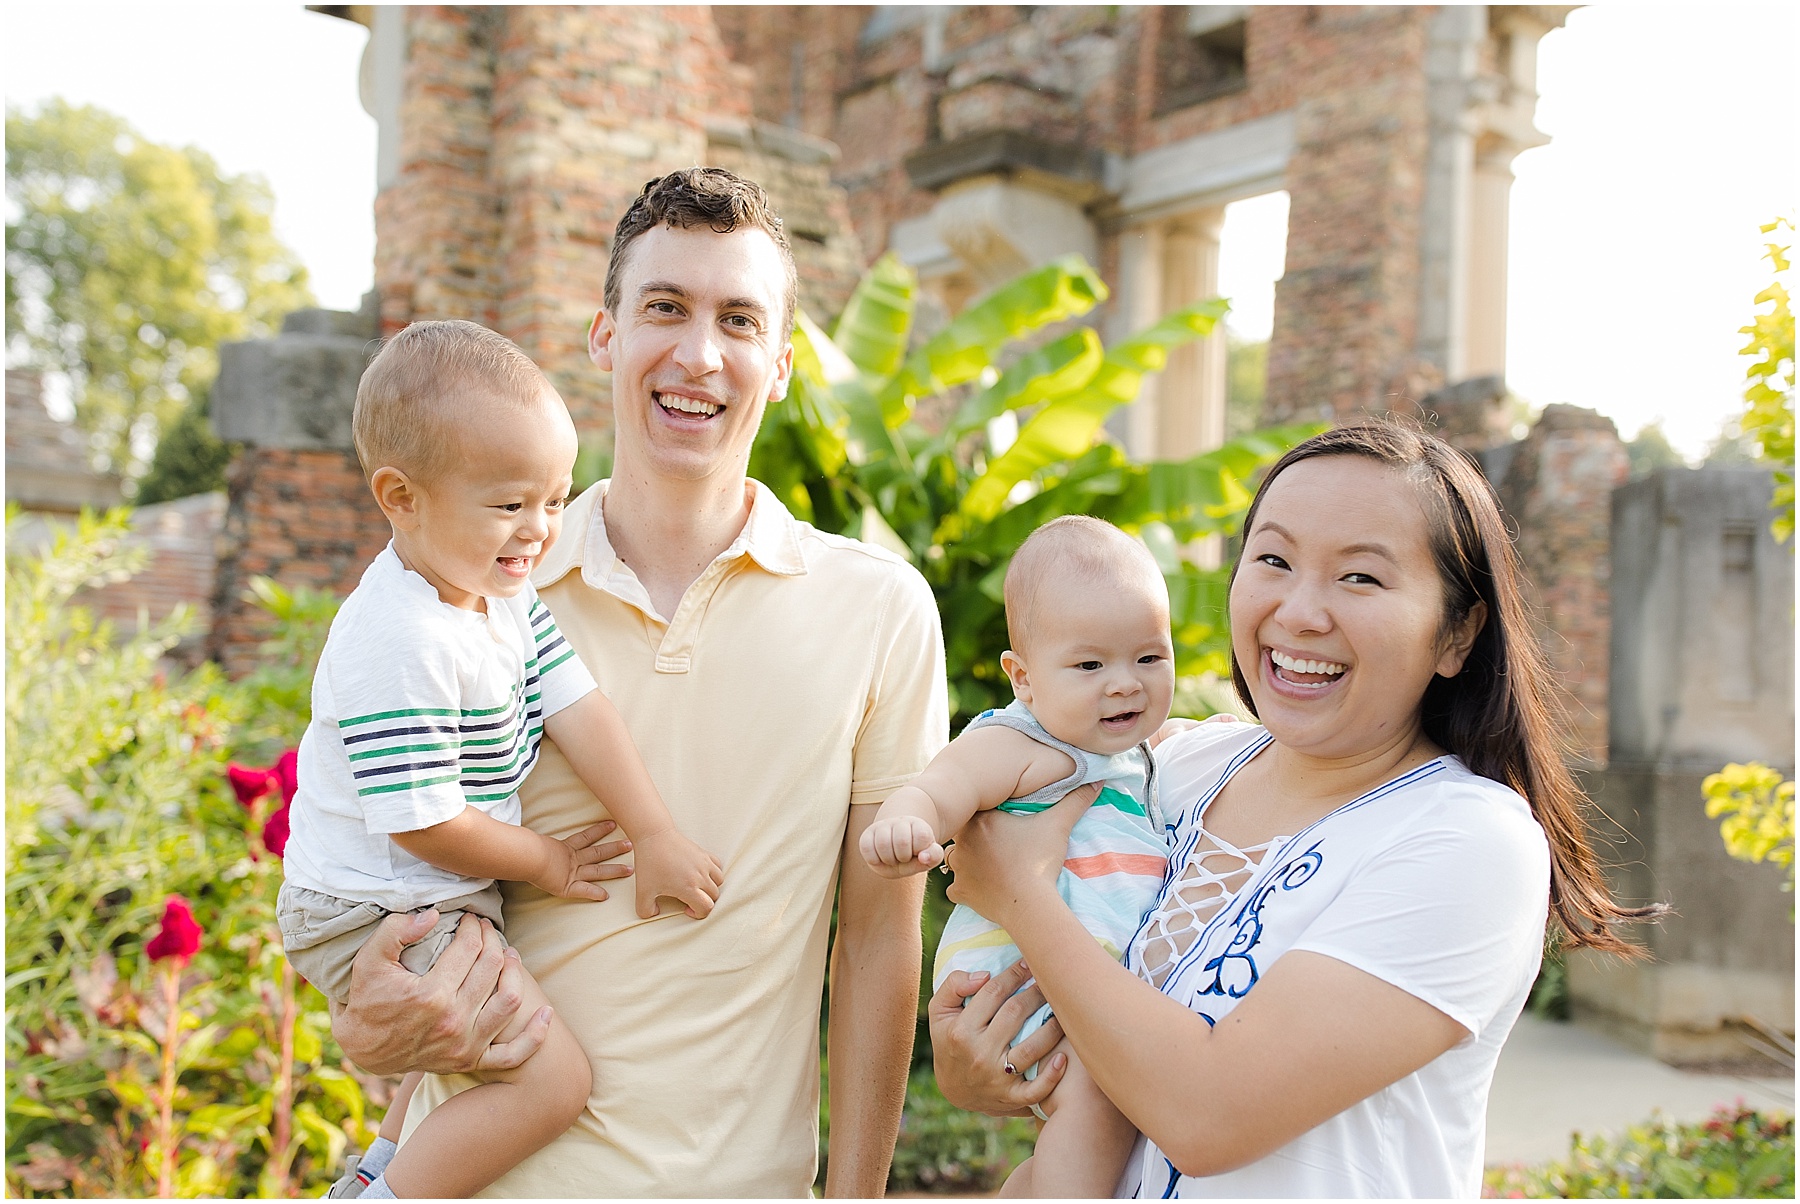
[(117, 801), (1739, 1153)]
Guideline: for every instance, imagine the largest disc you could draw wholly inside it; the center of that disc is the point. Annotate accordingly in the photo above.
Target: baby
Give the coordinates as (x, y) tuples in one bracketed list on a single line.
[(441, 675), (1092, 670)]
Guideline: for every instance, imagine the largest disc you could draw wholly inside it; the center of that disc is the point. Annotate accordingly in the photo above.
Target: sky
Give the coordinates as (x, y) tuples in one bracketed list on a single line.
[(1634, 251)]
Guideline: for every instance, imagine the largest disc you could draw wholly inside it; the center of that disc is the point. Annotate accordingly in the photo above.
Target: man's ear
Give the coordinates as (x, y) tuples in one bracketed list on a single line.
[(1014, 668), (784, 374), (600, 336), (397, 496), (1462, 639)]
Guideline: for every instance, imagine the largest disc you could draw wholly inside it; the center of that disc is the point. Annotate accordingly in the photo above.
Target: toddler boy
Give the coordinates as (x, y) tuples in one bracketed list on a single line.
[(1093, 675), (441, 674)]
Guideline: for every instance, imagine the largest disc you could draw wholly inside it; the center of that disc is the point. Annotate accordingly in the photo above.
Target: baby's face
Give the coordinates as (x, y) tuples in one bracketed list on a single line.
[(1098, 668), (484, 524)]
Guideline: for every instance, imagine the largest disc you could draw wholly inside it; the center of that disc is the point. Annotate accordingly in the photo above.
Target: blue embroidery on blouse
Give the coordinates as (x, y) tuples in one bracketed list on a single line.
[(1235, 971)]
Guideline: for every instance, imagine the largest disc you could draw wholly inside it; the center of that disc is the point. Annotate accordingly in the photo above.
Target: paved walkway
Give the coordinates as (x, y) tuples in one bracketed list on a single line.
[(1555, 1079)]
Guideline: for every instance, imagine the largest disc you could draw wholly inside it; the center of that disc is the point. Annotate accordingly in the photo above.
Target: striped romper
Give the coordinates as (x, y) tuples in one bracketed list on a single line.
[(1114, 870)]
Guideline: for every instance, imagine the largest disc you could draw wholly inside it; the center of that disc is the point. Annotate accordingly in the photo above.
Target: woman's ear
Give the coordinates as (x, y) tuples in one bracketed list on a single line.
[(1015, 671), (397, 496), (1462, 639)]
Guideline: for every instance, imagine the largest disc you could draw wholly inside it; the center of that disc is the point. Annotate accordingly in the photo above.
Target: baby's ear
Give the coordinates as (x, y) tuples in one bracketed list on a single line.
[(1013, 665), (396, 496)]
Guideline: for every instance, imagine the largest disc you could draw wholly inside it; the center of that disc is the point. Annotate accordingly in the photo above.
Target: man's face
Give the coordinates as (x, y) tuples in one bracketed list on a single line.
[(696, 349)]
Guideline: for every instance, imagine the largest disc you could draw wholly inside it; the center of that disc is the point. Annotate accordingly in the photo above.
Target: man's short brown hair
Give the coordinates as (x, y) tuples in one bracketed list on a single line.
[(423, 378), (702, 196)]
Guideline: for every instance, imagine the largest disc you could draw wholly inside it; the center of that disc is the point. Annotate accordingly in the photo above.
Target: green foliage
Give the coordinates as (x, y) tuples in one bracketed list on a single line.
[(944, 1149), (128, 263), (1738, 1154), (1768, 418), (189, 457), (1246, 383), (848, 451), (115, 801), (1651, 450), (276, 698), (1758, 814)]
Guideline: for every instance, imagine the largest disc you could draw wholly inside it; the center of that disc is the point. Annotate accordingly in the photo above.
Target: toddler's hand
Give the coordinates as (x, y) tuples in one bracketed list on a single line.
[(668, 863), (574, 865), (897, 848)]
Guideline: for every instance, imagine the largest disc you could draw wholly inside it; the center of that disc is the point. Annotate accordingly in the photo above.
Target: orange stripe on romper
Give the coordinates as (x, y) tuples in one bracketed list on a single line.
[(1147, 864)]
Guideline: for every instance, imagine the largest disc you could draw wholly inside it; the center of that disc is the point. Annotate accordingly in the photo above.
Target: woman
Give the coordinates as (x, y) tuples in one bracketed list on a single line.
[(1358, 891)]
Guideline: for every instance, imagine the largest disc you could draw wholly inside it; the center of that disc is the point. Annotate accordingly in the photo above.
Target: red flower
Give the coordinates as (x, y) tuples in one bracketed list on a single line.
[(250, 783), (179, 936), (275, 832), (287, 775)]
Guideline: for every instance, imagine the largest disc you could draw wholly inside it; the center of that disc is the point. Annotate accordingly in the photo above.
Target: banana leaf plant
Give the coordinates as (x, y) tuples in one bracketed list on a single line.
[(847, 451)]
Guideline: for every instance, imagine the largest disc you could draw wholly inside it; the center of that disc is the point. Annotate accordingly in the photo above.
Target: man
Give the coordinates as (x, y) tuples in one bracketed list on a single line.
[(779, 683)]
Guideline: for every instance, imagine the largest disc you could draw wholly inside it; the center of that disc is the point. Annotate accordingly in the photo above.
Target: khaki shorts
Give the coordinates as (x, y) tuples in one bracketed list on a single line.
[(322, 933)]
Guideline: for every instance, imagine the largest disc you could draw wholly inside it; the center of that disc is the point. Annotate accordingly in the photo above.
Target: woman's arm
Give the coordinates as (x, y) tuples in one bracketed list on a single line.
[(1315, 1037)]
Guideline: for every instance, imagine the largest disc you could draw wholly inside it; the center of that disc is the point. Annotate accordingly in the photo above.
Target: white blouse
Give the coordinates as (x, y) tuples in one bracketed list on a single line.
[(1437, 882)]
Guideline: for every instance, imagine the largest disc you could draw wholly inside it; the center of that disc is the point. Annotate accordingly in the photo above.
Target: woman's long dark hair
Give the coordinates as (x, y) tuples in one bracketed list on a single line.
[(1499, 713)]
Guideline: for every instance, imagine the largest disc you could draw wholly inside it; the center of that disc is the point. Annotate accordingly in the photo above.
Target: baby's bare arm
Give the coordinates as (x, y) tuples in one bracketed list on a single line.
[(476, 845), (979, 770)]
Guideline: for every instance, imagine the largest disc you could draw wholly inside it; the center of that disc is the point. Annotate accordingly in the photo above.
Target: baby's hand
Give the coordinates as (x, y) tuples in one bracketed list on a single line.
[(668, 863), (573, 866), (896, 848)]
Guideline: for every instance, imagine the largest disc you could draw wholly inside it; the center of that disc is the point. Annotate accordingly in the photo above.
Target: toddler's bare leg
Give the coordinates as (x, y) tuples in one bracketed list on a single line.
[(1082, 1150), (394, 1122), (479, 1134)]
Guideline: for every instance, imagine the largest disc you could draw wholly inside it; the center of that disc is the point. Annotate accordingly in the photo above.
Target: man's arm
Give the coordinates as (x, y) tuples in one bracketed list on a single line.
[(874, 1007)]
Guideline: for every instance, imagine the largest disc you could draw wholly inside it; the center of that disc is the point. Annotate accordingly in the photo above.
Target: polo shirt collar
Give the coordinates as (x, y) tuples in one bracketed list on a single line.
[(771, 538)]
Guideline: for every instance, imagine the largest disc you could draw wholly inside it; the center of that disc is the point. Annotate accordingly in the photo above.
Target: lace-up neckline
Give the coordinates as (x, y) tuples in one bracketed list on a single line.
[(1215, 872)]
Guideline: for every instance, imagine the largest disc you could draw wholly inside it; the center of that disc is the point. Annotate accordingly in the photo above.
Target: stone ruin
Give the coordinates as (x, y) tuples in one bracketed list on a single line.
[(977, 141)]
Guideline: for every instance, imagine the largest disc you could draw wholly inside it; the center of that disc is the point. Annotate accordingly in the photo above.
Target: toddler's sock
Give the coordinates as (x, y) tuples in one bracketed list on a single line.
[(378, 1190), (376, 1160)]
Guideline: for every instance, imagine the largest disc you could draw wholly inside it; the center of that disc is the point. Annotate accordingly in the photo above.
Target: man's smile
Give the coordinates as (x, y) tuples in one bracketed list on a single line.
[(687, 406)]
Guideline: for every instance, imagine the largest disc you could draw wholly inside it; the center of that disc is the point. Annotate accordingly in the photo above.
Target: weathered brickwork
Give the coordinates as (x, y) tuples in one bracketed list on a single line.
[(300, 517), (1558, 489), (1346, 312)]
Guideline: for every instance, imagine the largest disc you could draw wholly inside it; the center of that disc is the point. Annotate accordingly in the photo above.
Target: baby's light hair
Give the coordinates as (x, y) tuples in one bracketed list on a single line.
[(1074, 549), (423, 380)]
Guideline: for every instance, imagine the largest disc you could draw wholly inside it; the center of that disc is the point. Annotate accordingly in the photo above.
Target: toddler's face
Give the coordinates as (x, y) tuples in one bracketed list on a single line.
[(1098, 670), (484, 524)]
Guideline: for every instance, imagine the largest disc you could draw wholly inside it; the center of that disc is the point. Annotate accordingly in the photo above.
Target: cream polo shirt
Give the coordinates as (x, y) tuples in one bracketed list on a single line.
[(802, 673)]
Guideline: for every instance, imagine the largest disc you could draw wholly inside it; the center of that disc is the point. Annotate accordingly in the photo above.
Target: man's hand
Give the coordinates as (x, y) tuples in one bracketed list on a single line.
[(444, 1021), (572, 866), (669, 864), (899, 847), (969, 1043)]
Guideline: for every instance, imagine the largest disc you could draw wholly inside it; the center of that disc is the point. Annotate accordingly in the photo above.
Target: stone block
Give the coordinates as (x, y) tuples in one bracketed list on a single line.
[(1703, 622), (294, 391), (1726, 953)]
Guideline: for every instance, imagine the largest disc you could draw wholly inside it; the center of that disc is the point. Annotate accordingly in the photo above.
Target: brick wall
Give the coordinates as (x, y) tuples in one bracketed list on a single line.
[(1346, 313), (1558, 489), (301, 517)]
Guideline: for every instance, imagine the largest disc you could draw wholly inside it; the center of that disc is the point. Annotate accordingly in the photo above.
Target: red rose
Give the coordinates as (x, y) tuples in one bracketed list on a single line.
[(179, 936), (275, 832), (250, 783), (286, 773)]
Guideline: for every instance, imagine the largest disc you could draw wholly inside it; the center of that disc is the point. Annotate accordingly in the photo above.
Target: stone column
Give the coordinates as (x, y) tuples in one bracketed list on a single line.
[(1484, 308), (1191, 390), (1136, 305), (1558, 488), (298, 510)]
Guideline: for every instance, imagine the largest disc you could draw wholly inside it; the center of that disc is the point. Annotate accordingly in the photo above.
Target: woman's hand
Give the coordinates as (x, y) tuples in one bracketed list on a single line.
[(1003, 862), (968, 1043)]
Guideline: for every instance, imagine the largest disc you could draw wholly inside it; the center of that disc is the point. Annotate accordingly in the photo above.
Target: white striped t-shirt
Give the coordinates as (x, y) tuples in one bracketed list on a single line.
[(419, 708)]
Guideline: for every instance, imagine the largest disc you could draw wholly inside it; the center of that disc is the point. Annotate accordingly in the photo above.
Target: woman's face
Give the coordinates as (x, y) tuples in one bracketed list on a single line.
[(1337, 608)]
